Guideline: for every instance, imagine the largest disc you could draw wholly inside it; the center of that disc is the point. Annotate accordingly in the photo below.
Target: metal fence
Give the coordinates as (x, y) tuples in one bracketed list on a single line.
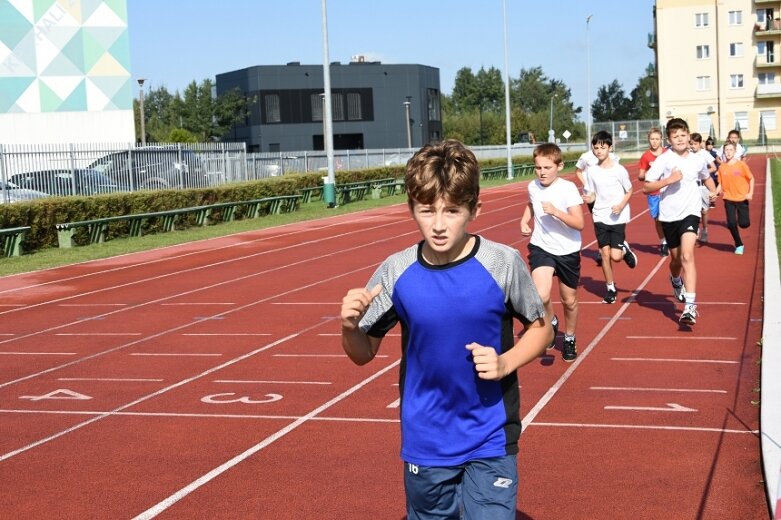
[(36, 171), (628, 136)]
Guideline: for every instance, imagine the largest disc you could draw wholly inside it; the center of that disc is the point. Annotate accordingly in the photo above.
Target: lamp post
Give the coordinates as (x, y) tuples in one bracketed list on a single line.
[(329, 182), (141, 109), (406, 121), (588, 82), (507, 123), (551, 133)]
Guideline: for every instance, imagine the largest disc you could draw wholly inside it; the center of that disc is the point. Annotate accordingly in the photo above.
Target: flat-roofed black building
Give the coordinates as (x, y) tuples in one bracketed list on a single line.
[(367, 105)]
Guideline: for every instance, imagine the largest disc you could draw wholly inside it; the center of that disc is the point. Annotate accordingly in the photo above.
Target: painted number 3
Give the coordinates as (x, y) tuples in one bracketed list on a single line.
[(229, 398)]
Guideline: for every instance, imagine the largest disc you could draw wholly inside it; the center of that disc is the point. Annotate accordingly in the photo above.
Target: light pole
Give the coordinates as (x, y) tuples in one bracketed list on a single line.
[(329, 182), (406, 121), (588, 83), (507, 123), (141, 109), (551, 133)]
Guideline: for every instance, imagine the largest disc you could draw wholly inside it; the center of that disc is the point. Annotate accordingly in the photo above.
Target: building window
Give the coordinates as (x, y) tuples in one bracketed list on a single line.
[(704, 123), (701, 20), (703, 52), (703, 82), (317, 106), (766, 78), (433, 105), (337, 107), (272, 108), (768, 119), (736, 50), (741, 119), (736, 80), (735, 17), (354, 106)]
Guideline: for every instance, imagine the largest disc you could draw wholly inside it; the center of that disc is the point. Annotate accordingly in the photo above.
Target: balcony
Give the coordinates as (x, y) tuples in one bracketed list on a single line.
[(651, 40), (765, 2), (766, 62), (769, 27), (771, 90)]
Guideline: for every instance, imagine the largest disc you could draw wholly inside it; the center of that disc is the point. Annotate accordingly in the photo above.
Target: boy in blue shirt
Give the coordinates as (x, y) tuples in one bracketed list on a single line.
[(455, 295)]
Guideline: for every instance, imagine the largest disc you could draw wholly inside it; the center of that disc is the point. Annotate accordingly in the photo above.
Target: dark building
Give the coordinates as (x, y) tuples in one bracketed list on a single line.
[(367, 105)]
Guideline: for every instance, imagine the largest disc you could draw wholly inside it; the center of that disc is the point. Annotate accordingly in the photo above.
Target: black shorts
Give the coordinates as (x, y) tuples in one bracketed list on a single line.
[(673, 231), (612, 235), (566, 267)]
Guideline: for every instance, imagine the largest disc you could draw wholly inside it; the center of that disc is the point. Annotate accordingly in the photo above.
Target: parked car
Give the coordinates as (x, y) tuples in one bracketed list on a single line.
[(64, 182), (10, 192), (151, 168)]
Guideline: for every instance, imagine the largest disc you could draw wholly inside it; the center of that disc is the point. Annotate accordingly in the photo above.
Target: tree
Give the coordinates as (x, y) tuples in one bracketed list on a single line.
[(644, 96), (611, 103)]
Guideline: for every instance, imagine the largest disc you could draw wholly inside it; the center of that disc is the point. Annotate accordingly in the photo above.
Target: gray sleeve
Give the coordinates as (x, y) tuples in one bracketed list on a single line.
[(381, 317)]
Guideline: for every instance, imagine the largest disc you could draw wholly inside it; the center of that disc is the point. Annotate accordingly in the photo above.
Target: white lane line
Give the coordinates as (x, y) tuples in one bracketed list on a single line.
[(643, 427), (635, 389), (306, 303), (671, 407), (321, 355), (685, 338), (91, 304), (238, 381), (545, 399), (338, 334), (38, 353), (197, 303), (6, 334), (144, 398), (197, 483), (669, 360), (226, 334), (110, 379), (671, 302), (12, 305), (173, 354), (98, 334)]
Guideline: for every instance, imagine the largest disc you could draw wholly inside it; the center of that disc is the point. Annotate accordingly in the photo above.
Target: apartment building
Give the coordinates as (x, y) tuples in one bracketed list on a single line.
[(719, 65)]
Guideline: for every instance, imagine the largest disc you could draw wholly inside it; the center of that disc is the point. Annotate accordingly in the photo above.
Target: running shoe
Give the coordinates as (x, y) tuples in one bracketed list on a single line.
[(570, 350), (739, 250), (610, 297), (629, 256), (678, 290), (598, 259), (555, 325), (704, 236), (664, 250), (689, 316)]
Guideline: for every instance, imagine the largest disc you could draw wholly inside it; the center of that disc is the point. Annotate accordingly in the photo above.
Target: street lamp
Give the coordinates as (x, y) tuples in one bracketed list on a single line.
[(406, 121), (141, 109), (588, 82), (551, 133)]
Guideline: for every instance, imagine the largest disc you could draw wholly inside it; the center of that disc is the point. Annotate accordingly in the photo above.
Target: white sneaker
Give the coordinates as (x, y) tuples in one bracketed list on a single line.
[(679, 290), (689, 316)]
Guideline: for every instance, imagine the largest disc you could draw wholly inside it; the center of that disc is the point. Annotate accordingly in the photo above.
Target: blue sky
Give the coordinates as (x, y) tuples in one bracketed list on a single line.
[(174, 43)]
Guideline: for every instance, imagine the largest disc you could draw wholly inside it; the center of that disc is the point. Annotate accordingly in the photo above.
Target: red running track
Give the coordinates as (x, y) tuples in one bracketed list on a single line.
[(207, 381)]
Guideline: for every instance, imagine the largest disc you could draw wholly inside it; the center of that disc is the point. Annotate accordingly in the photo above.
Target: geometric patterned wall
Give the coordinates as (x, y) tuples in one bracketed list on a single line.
[(64, 56)]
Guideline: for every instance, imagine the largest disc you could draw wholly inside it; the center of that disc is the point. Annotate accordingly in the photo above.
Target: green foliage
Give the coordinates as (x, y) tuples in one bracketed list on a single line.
[(611, 103)]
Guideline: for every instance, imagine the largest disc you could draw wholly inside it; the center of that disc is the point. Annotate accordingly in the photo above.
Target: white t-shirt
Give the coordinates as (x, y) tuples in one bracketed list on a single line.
[(680, 199), (550, 233), (610, 185), (588, 159)]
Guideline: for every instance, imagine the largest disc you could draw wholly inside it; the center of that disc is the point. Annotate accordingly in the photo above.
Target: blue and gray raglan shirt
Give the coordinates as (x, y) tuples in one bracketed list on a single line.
[(448, 415)]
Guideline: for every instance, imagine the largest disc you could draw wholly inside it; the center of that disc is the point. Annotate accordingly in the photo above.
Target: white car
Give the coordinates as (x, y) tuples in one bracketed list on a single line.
[(10, 192)]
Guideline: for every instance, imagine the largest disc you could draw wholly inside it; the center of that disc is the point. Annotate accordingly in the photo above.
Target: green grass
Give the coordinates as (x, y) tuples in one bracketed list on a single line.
[(54, 257), (775, 176)]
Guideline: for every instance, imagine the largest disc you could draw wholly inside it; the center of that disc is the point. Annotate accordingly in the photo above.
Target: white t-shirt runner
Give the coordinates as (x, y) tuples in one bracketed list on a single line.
[(550, 233), (680, 199), (610, 185)]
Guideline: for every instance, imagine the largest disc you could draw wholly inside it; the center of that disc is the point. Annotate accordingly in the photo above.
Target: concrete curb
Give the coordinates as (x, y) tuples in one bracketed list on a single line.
[(770, 414)]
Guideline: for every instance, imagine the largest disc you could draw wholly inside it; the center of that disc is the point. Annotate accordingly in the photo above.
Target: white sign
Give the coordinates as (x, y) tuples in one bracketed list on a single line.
[(567, 134)]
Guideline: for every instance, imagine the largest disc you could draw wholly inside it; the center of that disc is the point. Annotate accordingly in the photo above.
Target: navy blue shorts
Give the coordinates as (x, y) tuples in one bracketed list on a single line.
[(481, 489)]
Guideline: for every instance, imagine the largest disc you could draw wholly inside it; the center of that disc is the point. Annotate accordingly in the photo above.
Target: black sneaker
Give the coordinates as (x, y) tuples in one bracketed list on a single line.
[(664, 250), (630, 258), (598, 259), (555, 325), (569, 351), (610, 297)]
